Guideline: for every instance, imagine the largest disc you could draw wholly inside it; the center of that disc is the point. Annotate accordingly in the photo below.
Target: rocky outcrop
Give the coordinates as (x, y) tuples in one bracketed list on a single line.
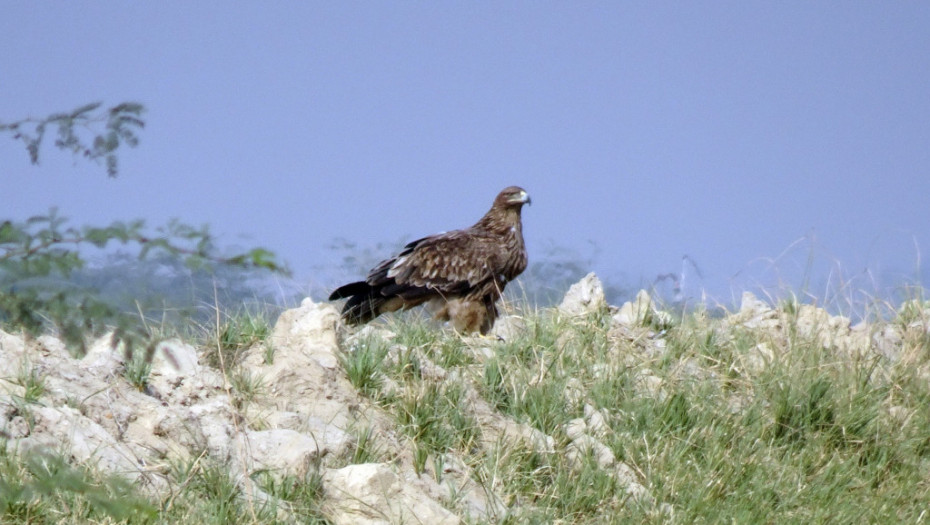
[(585, 296), (641, 312), (89, 412), (815, 325), (304, 413)]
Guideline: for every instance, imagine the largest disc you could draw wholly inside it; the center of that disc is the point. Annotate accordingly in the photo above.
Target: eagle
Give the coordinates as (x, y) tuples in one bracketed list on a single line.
[(462, 273)]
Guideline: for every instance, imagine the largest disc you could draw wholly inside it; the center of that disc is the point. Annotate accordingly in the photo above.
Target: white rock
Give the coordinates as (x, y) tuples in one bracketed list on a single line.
[(284, 419), (648, 384), (576, 428), (508, 328), (217, 422), (306, 377), (585, 296), (758, 358), (63, 430), (754, 313), (637, 312), (640, 493), (625, 474), (597, 424), (174, 358), (177, 377), (12, 350), (574, 391), (888, 341), (329, 438), (50, 345), (281, 451), (751, 306), (310, 329), (371, 493), (584, 444), (102, 358)]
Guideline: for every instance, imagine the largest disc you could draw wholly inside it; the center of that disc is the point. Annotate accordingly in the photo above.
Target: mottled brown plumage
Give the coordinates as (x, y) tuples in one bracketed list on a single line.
[(463, 271)]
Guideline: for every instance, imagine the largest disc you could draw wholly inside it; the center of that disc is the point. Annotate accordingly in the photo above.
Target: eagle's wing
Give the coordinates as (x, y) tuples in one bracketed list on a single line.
[(450, 263)]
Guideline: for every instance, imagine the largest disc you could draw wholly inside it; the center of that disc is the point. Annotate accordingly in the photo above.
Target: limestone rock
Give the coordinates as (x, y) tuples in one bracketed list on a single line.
[(372, 493), (887, 341), (508, 328), (584, 297), (305, 376), (596, 422), (283, 451), (65, 431), (754, 313), (648, 384), (640, 312), (177, 376), (584, 443), (102, 358), (311, 330)]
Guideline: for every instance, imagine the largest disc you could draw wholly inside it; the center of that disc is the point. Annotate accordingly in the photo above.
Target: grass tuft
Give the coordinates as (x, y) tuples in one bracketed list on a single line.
[(32, 381), (136, 371), (227, 341), (364, 363)]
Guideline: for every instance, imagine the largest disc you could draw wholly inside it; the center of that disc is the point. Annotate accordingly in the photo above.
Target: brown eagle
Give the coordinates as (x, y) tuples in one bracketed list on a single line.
[(462, 272)]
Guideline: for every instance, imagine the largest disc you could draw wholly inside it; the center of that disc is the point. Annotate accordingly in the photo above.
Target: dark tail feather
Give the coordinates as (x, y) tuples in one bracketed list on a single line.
[(348, 290), (363, 303)]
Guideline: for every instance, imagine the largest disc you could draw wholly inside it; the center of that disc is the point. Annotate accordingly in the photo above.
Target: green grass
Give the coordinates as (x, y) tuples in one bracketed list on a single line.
[(246, 386), (433, 415), (430, 411), (365, 448), (206, 492), (804, 437), (363, 364), (45, 489), (813, 440), (32, 381), (232, 335), (300, 497), (136, 371)]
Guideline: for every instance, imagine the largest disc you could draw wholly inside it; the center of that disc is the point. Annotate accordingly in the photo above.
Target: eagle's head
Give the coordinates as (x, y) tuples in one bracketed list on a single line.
[(504, 215), (514, 196)]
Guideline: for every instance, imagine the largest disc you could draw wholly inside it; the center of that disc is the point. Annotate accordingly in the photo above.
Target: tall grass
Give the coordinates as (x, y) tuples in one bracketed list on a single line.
[(808, 435)]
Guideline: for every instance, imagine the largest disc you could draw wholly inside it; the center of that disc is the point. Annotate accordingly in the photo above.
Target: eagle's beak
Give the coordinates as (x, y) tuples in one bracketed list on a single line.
[(522, 198)]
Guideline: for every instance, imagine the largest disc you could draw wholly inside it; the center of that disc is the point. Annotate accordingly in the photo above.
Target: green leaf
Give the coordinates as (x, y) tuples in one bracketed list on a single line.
[(97, 236), (9, 233)]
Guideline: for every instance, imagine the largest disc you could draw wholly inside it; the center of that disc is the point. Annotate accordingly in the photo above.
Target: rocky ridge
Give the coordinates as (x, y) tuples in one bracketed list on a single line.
[(309, 414)]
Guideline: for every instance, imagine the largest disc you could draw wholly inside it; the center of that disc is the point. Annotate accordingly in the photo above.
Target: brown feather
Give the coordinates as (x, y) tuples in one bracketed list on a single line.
[(466, 270)]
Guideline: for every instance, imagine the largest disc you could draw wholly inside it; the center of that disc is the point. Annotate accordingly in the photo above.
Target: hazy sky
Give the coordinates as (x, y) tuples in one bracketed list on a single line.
[(721, 130)]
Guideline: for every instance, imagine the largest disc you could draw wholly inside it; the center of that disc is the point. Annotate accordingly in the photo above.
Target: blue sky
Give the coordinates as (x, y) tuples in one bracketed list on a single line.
[(726, 131)]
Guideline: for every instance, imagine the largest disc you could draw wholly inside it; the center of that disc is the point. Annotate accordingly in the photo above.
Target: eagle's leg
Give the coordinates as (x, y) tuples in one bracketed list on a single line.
[(466, 315), (490, 312)]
